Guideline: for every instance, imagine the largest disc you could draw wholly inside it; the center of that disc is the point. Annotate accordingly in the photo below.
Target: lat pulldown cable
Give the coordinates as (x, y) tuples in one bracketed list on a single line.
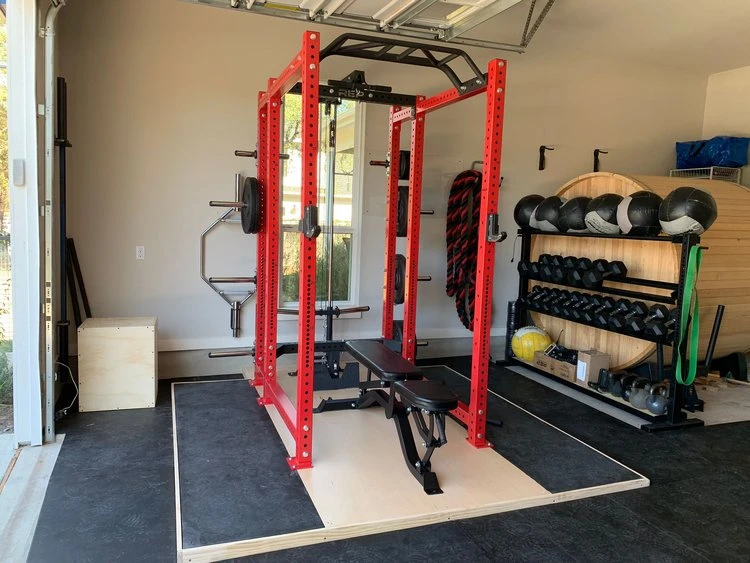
[(461, 234)]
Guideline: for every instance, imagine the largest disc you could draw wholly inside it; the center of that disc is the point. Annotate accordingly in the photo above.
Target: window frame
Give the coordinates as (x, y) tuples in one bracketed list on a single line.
[(355, 229)]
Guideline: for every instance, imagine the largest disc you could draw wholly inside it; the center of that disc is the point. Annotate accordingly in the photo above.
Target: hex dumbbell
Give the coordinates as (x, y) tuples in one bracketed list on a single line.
[(663, 328), (655, 314), (621, 306), (548, 266), (578, 270), (602, 270), (590, 303), (619, 322), (537, 296), (561, 308), (556, 296), (528, 269), (536, 293), (606, 304), (561, 267)]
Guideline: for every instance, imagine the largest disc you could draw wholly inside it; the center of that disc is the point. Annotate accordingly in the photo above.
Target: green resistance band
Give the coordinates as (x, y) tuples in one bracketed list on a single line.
[(689, 295)]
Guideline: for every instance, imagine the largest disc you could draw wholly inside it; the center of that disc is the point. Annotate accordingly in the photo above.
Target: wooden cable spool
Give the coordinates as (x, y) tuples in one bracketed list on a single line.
[(724, 276)]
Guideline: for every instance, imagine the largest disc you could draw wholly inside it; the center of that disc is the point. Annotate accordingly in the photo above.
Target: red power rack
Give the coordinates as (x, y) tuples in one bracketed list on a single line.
[(474, 415), (304, 68), (297, 417)]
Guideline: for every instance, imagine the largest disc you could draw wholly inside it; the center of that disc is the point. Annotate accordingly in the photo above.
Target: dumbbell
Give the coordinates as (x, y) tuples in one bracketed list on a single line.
[(548, 266), (559, 268), (606, 304), (602, 270), (575, 305), (556, 296), (619, 322), (621, 306), (588, 302), (578, 270), (662, 329), (528, 269), (537, 292), (655, 313), (537, 296), (561, 308), (601, 319)]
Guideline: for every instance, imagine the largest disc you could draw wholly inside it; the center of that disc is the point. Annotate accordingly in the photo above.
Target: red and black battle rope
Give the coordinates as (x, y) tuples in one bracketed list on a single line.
[(461, 234)]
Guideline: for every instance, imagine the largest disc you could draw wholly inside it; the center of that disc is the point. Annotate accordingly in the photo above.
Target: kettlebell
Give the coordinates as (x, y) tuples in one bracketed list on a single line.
[(639, 392), (627, 385), (615, 382), (656, 402)]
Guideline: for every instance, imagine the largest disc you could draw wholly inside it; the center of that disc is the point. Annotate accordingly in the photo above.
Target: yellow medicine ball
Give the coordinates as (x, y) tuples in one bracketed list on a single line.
[(528, 340)]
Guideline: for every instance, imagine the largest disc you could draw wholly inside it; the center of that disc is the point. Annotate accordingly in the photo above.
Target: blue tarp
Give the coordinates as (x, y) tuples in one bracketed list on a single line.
[(719, 151)]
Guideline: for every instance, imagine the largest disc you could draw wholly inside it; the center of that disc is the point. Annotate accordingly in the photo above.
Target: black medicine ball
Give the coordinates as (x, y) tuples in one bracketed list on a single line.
[(533, 223), (687, 210), (601, 214), (525, 207), (548, 214), (638, 214), (573, 215)]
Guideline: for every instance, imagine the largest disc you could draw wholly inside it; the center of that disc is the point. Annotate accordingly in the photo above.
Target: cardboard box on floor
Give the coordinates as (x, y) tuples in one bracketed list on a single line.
[(589, 364), (562, 370)]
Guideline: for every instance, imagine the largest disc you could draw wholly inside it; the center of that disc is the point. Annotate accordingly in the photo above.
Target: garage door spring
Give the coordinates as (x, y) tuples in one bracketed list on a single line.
[(461, 234)]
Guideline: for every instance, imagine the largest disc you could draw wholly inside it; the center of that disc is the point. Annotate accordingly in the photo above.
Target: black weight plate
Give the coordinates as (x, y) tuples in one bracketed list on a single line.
[(400, 285), (404, 161), (403, 211), (398, 330), (251, 212)]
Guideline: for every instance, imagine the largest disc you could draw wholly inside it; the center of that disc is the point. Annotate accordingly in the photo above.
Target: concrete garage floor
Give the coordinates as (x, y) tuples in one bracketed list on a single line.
[(694, 510)]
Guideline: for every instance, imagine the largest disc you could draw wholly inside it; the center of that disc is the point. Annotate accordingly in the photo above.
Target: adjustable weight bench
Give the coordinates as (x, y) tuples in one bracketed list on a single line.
[(401, 391)]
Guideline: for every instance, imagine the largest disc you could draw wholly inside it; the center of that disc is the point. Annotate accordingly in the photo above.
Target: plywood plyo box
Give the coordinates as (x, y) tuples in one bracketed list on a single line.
[(117, 363)]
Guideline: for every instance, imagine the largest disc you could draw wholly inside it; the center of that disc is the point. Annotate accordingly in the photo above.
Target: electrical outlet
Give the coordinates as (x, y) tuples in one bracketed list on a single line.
[(140, 252)]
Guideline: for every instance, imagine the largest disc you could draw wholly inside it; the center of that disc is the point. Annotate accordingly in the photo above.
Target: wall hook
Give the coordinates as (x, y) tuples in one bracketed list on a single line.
[(597, 152), (542, 158)]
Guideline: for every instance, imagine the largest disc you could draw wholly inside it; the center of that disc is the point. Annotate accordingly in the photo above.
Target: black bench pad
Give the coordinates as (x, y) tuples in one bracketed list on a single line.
[(433, 396), (387, 364)]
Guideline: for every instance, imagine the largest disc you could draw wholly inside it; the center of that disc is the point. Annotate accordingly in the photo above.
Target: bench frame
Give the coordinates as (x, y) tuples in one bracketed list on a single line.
[(383, 393), (304, 68)]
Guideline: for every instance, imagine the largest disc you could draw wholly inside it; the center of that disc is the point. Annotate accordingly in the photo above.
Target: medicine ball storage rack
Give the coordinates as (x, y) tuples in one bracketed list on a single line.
[(554, 306)]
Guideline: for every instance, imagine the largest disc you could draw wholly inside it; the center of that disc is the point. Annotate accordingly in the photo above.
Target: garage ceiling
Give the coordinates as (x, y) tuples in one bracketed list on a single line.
[(702, 36), (447, 21)]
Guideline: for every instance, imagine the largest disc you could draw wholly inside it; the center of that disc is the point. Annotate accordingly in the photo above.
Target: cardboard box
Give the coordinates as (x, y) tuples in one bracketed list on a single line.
[(543, 362), (562, 370), (589, 364)]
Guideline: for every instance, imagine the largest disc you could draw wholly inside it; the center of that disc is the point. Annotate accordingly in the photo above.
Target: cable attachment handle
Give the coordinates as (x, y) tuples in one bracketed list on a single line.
[(494, 234), (309, 225)]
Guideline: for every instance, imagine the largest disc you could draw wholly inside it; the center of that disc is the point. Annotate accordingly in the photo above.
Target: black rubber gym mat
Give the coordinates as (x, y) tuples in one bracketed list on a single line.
[(111, 494), (232, 468), (555, 460)]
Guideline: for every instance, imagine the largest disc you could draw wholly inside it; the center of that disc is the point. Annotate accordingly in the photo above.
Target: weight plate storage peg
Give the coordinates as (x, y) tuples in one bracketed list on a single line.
[(250, 212)]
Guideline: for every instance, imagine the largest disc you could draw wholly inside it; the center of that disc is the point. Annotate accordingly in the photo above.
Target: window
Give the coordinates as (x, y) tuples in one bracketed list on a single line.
[(344, 212)]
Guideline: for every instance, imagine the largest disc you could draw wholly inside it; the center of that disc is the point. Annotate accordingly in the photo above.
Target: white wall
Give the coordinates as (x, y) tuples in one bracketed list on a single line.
[(162, 92), (727, 109)]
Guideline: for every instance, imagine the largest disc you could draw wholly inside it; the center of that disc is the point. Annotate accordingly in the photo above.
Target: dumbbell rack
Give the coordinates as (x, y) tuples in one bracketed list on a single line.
[(674, 417)]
